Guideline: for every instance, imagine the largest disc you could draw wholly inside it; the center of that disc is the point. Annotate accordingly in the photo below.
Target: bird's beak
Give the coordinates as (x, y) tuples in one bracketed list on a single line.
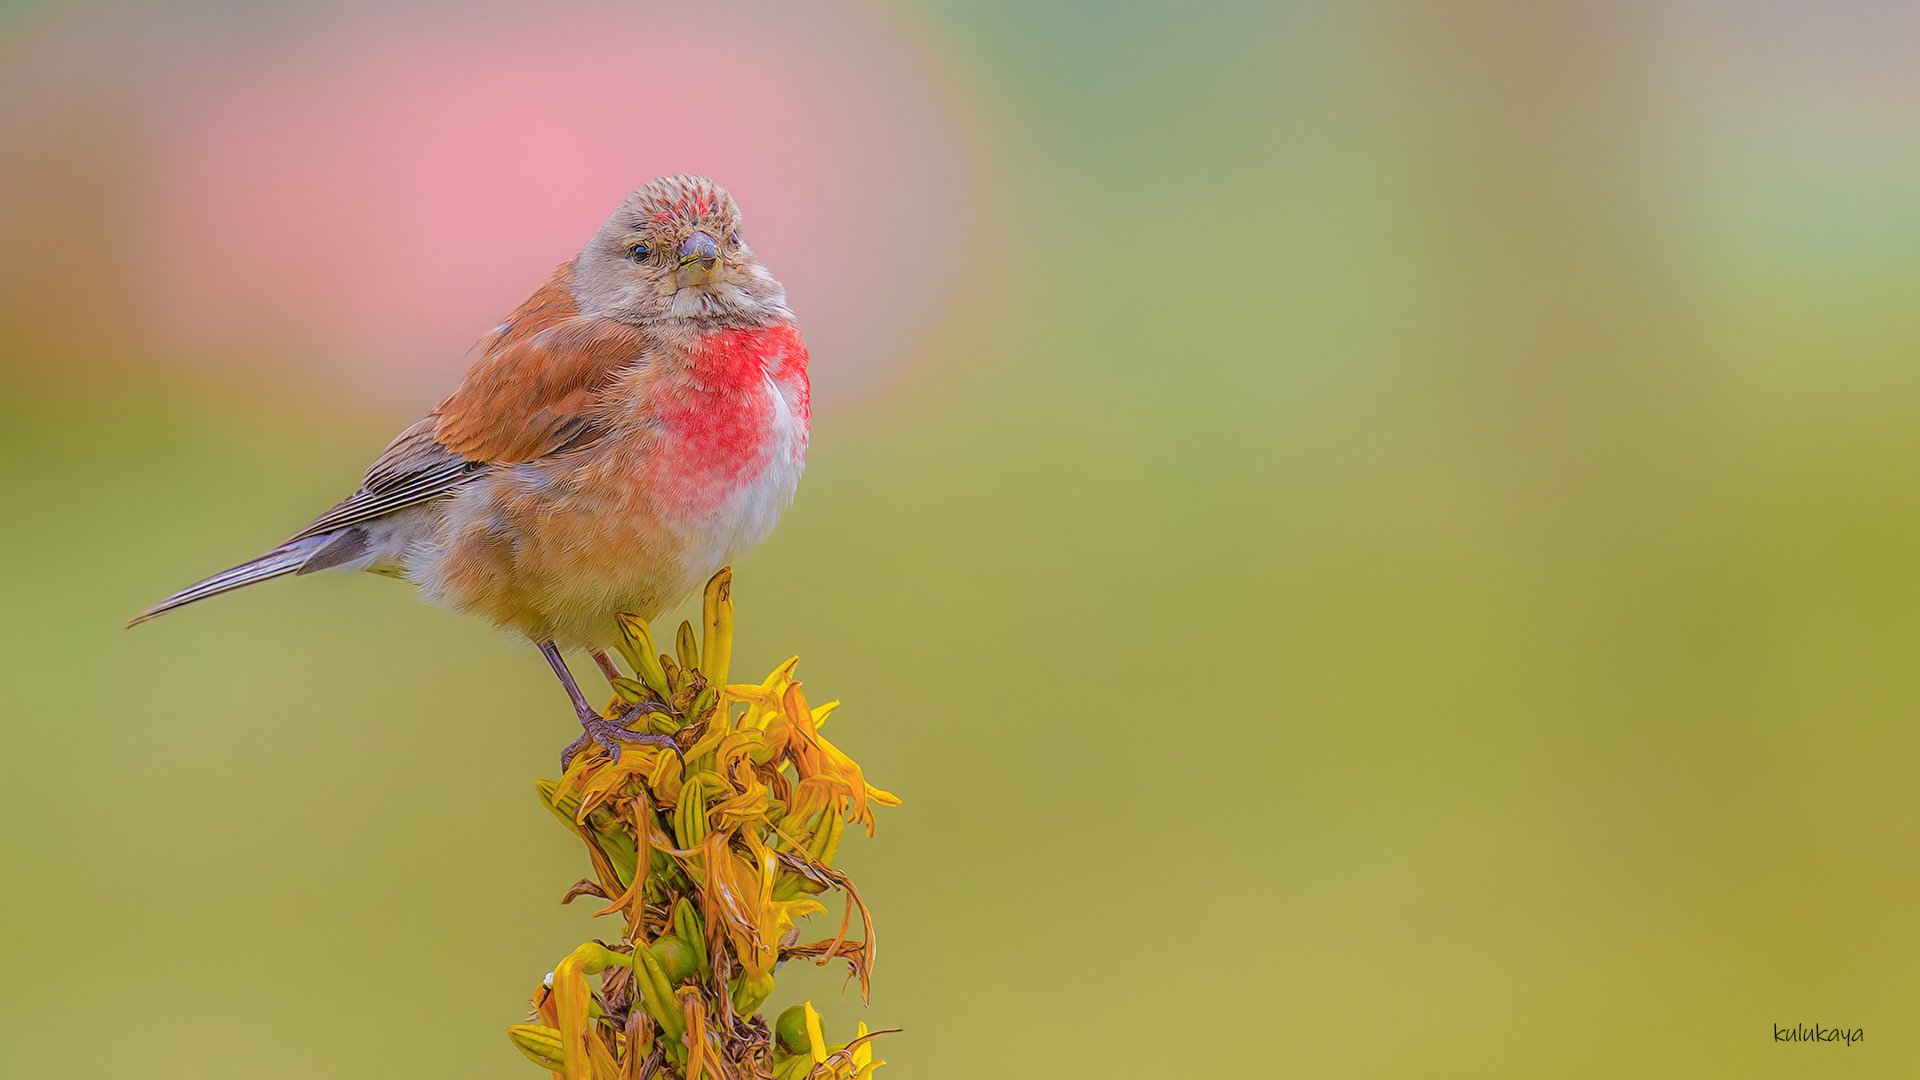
[(700, 261)]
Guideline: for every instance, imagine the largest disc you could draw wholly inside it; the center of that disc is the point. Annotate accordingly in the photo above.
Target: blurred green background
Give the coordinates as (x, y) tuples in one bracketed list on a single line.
[(1399, 559)]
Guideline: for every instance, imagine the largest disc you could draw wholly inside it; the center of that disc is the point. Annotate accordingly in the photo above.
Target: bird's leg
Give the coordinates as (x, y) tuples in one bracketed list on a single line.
[(559, 666), (606, 665), (608, 734)]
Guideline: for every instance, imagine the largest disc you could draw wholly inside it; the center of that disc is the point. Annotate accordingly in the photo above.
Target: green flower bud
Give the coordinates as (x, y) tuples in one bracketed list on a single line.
[(790, 1031), (676, 958)]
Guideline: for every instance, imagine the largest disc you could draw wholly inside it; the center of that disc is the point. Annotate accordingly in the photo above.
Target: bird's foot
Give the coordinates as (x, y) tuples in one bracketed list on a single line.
[(608, 733)]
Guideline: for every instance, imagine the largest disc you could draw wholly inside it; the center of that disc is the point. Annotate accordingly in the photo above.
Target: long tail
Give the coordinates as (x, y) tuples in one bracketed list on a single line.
[(295, 557)]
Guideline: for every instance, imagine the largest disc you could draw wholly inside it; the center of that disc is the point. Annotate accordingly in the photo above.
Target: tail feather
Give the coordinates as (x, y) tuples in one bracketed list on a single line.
[(286, 559)]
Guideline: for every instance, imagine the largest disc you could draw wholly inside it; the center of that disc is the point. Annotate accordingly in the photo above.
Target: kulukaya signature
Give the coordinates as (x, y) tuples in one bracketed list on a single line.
[(1817, 1033)]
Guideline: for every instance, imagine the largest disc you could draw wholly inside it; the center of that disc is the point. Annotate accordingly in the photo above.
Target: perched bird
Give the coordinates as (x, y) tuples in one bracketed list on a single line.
[(638, 422)]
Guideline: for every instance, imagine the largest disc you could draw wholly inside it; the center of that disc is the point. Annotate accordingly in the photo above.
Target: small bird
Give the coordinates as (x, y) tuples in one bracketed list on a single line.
[(635, 425)]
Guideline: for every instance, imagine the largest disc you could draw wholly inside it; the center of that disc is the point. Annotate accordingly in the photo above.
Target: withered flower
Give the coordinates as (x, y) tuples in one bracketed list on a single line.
[(711, 857)]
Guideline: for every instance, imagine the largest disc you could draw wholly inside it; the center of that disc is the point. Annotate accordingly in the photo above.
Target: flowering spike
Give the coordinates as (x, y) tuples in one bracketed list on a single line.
[(686, 924), (694, 1008), (690, 817), (633, 900), (821, 712), (863, 1053), (686, 647), (636, 644), (826, 842), (574, 1001), (656, 993), (712, 858), (816, 1043), (632, 691), (541, 1044), (716, 651)]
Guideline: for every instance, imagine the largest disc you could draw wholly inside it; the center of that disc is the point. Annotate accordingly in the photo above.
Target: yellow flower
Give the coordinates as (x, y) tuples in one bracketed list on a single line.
[(713, 856)]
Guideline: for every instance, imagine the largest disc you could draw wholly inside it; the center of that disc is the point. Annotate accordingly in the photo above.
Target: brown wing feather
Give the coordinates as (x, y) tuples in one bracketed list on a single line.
[(412, 469), (533, 392)]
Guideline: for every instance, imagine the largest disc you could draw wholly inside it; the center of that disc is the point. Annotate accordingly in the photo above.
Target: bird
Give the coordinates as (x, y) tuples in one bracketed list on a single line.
[(638, 423)]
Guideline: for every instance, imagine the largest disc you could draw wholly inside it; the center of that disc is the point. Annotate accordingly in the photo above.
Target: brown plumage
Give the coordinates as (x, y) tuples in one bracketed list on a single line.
[(535, 388), (638, 422)]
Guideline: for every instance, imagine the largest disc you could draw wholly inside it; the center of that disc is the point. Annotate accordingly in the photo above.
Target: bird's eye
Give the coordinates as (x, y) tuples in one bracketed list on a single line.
[(638, 253), (735, 238)]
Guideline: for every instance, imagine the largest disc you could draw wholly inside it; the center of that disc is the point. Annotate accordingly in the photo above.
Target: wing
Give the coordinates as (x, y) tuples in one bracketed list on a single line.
[(536, 389), (534, 392), (412, 469)]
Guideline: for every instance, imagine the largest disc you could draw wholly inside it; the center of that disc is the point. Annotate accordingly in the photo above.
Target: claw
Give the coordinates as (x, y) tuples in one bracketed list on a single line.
[(608, 733)]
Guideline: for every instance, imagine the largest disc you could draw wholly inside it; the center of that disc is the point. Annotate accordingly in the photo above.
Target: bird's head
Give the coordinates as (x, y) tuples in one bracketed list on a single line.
[(673, 250)]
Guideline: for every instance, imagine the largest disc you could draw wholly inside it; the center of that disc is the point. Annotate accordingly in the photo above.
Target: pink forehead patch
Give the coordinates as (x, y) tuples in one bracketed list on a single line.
[(690, 207), (365, 193)]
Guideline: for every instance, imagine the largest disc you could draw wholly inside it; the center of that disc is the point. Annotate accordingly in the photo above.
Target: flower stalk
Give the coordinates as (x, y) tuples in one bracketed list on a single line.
[(710, 858)]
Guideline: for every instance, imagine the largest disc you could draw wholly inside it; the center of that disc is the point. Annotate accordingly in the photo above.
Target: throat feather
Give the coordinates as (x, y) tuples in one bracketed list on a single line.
[(717, 422)]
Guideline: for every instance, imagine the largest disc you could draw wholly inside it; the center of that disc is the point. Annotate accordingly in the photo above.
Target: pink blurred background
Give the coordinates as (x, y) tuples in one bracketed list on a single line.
[(343, 200)]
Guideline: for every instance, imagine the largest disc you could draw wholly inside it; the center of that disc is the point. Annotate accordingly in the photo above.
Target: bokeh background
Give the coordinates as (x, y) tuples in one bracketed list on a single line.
[(1374, 539)]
